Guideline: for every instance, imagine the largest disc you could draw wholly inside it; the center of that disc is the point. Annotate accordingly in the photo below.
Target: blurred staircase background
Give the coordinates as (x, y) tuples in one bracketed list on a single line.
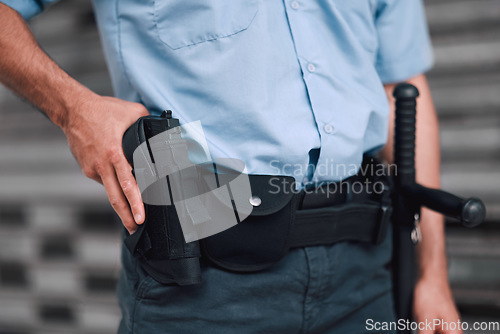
[(59, 245), (466, 89)]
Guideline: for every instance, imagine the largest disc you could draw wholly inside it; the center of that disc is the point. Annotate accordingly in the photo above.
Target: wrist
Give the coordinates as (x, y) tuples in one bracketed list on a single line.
[(70, 105), (434, 274), (434, 286), (431, 252)]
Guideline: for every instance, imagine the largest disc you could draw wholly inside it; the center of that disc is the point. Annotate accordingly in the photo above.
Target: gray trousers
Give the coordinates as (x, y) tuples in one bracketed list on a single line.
[(320, 289)]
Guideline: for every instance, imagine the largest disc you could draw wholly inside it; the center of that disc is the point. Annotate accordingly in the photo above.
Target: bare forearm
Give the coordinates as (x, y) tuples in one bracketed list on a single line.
[(431, 251), (93, 124), (30, 73)]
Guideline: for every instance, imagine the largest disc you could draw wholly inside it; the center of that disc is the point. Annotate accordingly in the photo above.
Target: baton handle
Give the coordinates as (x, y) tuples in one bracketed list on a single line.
[(471, 212), (404, 144)]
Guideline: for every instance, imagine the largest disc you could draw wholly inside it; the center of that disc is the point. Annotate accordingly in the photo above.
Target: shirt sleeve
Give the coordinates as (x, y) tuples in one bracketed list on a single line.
[(405, 48), (28, 8)]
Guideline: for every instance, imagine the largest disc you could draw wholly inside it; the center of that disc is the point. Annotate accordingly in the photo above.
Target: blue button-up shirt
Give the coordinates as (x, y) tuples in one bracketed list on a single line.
[(277, 84)]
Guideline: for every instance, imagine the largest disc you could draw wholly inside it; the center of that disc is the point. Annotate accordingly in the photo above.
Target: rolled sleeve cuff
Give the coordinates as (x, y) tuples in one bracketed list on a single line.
[(401, 70), (26, 8)]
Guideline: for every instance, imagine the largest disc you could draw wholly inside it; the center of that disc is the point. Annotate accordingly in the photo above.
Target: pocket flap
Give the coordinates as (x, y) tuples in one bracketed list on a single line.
[(181, 23), (271, 193)]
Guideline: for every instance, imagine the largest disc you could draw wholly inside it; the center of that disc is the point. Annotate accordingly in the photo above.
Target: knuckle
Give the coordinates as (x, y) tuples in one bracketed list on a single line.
[(89, 172), (117, 203), (137, 207), (99, 168), (127, 186), (114, 155)]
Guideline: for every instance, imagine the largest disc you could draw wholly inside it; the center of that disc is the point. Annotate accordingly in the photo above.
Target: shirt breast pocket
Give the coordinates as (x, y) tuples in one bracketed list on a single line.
[(182, 23)]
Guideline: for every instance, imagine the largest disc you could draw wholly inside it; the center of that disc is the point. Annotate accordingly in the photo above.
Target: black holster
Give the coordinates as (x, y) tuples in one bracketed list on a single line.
[(159, 242)]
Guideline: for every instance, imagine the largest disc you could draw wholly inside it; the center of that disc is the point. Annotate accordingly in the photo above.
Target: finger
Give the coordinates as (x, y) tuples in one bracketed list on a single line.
[(426, 332), (117, 198), (451, 326), (425, 325), (129, 187)]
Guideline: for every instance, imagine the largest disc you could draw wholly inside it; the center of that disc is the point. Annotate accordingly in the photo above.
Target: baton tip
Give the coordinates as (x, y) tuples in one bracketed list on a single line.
[(405, 91), (473, 212)]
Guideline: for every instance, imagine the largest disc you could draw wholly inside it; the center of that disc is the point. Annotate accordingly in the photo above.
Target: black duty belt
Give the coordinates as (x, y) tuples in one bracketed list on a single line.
[(326, 218), (279, 223), (352, 222)]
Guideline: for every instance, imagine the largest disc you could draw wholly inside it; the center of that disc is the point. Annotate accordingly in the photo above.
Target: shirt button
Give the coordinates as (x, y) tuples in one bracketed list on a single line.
[(294, 5), (255, 201), (311, 68), (328, 128)]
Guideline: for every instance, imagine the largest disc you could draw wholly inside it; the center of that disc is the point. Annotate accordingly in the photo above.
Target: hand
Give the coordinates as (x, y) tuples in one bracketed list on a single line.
[(433, 300), (94, 131)]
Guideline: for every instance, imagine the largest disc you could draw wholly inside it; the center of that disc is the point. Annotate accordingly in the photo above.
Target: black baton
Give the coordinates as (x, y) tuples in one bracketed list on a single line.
[(409, 198)]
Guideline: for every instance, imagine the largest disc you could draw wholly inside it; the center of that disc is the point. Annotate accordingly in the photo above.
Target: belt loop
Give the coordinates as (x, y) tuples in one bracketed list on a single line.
[(301, 195), (384, 216)]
